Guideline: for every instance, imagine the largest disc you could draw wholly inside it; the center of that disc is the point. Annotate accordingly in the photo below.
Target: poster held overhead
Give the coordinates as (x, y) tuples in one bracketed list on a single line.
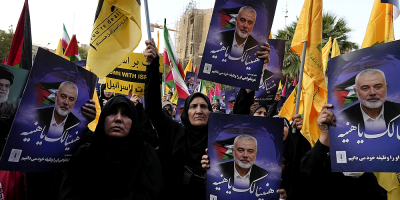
[(237, 31)]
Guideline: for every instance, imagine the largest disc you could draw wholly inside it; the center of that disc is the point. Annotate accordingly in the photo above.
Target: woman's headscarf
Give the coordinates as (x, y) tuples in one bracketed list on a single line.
[(103, 96), (196, 138), (119, 159)]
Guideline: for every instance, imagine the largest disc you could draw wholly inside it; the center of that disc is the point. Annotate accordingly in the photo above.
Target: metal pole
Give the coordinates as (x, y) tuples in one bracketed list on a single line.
[(147, 19), (163, 86), (300, 80)]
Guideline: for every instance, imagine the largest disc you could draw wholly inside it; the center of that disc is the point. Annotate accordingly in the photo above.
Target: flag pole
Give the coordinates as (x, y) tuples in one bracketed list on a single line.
[(163, 86), (300, 83), (147, 19)]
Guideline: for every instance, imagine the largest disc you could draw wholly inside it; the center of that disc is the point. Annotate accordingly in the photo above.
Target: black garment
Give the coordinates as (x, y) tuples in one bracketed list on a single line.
[(325, 184), (227, 39), (295, 148), (181, 145), (228, 171), (114, 168), (354, 114), (44, 118), (102, 96), (149, 133), (244, 101)]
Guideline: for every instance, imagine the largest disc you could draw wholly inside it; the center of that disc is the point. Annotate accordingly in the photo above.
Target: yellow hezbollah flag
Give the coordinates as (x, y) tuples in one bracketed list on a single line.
[(314, 90), (116, 33), (280, 85), (59, 50), (380, 25), (92, 125), (325, 53), (189, 66), (174, 98), (158, 40), (335, 49), (270, 35)]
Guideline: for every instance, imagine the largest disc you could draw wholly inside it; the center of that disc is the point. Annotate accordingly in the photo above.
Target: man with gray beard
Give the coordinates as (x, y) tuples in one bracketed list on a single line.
[(57, 120), (7, 108), (242, 171), (373, 113), (239, 41)]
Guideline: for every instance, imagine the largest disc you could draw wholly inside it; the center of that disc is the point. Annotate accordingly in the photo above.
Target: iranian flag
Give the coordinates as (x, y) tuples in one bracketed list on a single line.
[(203, 87), (176, 67), (65, 38), (72, 51), (217, 93)]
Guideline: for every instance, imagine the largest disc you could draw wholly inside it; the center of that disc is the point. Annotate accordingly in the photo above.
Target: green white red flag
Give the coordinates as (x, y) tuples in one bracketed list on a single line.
[(65, 38), (176, 68)]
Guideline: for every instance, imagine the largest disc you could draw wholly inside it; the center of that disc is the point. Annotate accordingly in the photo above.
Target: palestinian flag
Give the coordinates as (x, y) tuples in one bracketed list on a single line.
[(210, 94), (224, 149), (72, 51), (176, 68), (346, 96), (203, 87), (169, 80), (20, 54), (4, 61), (284, 87), (65, 38), (228, 18), (217, 93), (46, 93)]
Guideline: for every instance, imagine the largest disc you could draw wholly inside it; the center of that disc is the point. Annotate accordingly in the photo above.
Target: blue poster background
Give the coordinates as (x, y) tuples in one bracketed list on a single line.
[(272, 73), (180, 105), (269, 135), (217, 65), (230, 97), (26, 149), (352, 151)]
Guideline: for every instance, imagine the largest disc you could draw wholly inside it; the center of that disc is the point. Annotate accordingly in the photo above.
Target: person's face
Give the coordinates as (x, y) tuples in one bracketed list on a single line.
[(117, 123), (261, 112), (168, 107), (191, 80), (65, 99), (169, 96), (198, 112), (245, 23), (174, 111), (216, 102), (4, 87), (245, 152), (371, 90), (107, 94), (214, 109)]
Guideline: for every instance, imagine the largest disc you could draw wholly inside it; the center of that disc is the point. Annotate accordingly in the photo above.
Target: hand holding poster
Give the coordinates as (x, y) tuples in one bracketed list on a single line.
[(237, 31), (130, 74), (49, 123), (366, 103), (271, 73), (247, 146)]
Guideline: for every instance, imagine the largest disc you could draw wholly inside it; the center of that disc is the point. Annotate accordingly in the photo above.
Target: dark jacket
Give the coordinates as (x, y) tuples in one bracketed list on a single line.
[(228, 171), (180, 160), (44, 118), (325, 184), (227, 38), (354, 114)]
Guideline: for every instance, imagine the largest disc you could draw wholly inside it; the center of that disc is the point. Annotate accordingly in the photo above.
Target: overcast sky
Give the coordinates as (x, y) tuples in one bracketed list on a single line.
[(47, 17)]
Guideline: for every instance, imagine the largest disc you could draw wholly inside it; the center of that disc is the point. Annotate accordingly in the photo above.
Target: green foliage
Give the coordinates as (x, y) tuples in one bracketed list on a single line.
[(5, 41), (82, 53), (332, 26)]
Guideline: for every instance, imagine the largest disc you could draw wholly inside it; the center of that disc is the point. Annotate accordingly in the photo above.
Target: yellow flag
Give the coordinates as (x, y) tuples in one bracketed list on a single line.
[(390, 182), (174, 98), (280, 85), (158, 40), (314, 90), (335, 49), (59, 50), (270, 35), (189, 66), (92, 125), (325, 53), (116, 33), (380, 25)]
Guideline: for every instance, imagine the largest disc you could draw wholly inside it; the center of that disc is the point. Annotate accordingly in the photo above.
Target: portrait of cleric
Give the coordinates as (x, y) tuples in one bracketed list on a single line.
[(242, 171), (7, 108), (239, 40), (373, 112), (57, 120)]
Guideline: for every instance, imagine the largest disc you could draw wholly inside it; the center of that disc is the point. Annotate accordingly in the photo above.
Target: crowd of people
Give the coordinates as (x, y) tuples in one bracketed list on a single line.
[(141, 152)]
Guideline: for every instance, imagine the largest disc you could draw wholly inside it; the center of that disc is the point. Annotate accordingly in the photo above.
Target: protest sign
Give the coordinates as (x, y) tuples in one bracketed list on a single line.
[(49, 125), (271, 73), (191, 82), (261, 138), (130, 74), (237, 31), (230, 97), (367, 109), (179, 109)]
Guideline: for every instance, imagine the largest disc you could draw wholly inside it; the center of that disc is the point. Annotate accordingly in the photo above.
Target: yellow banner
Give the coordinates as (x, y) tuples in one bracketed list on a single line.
[(131, 73)]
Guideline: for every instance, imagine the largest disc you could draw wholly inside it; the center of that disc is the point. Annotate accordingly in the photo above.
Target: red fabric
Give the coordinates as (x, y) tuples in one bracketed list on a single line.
[(169, 76), (12, 185), (221, 150), (295, 81), (72, 48), (225, 18), (43, 93), (210, 94), (217, 90), (14, 56), (64, 44), (166, 58), (341, 95), (284, 88), (4, 61)]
